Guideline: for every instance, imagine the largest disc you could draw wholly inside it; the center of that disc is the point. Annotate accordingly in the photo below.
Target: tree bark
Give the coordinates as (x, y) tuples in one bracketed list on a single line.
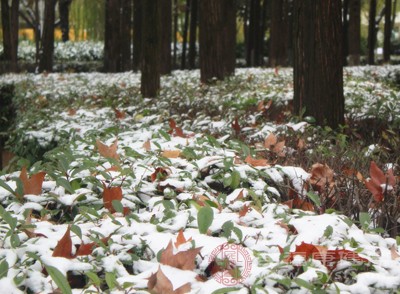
[(371, 32), (253, 51), (387, 31), (217, 49), (279, 30), (125, 28), (10, 25), (185, 34), (150, 64), (193, 34), (166, 34), (47, 40), (354, 32), (318, 72), (137, 33), (345, 18), (63, 10)]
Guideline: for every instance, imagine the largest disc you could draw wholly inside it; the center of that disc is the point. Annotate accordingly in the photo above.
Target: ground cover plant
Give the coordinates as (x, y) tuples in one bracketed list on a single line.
[(112, 192)]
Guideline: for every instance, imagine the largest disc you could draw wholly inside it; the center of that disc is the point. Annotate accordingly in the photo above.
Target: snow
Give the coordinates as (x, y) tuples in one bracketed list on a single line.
[(160, 209)]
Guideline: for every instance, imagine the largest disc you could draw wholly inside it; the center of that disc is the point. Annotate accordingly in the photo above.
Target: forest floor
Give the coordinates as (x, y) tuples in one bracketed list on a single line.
[(206, 189)]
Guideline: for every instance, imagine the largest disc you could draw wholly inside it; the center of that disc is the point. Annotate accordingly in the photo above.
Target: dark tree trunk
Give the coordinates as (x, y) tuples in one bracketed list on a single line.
[(193, 34), (125, 35), (279, 31), (47, 41), (371, 32), (166, 32), (354, 32), (217, 49), (175, 32), (387, 31), (185, 34), (345, 19), (253, 50), (137, 33), (10, 25), (63, 10), (318, 72), (150, 64), (117, 35)]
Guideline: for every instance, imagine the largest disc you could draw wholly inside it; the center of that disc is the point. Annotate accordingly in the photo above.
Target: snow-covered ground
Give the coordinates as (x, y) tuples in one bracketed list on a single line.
[(185, 177)]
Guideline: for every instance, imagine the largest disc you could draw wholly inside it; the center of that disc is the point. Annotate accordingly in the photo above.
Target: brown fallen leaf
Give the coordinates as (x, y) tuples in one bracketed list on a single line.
[(33, 184), (244, 210), (64, 246), (110, 194), (108, 151), (256, 162), (171, 153), (147, 145), (393, 252), (184, 260), (160, 284), (180, 239)]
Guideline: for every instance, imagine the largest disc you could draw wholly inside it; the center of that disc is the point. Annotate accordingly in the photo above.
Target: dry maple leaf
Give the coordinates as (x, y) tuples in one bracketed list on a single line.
[(379, 183), (299, 204), (271, 143), (119, 114), (147, 145), (184, 260), (110, 194), (244, 210), (33, 184), (108, 151), (180, 239), (171, 153), (236, 127), (87, 249), (176, 131), (64, 246), (160, 174), (322, 180), (160, 284), (393, 252), (256, 162)]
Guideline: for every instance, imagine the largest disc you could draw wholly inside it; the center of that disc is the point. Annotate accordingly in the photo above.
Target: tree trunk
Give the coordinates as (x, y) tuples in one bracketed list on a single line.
[(166, 32), (387, 31), (10, 25), (47, 41), (354, 32), (150, 64), (279, 30), (193, 34), (185, 34), (137, 33), (217, 49), (63, 10), (253, 53), (175, 32), (345, 18), (117, 36), (371, 32), (318, 72)]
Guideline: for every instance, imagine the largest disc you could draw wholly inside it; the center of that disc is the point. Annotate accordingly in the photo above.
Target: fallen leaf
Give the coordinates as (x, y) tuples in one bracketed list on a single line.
[(71, 112), (171, 153), (322, 180), (160, 284), (393, 252), (110, 194), (176, 131), (33, 184), (180, 239), (119, 114), (270, 141), (108, 151), (64, 246), (236, 127), (299, 204), (147, 145), (87, 249), (244, 210), (184, 260), (256, 162), (160, 174)]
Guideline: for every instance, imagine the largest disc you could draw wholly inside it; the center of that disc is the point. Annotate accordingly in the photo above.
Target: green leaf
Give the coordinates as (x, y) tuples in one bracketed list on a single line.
[(3, 269), (77, 231), (117, 206), (303, 283), (328, 231), (164, 134), (65, 184), (58, 278), (7, 217), (205, 217), (6, 186), (111, 280), (314, 198), (235, 179), (94, 278), (365, 219), (226, 290)]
